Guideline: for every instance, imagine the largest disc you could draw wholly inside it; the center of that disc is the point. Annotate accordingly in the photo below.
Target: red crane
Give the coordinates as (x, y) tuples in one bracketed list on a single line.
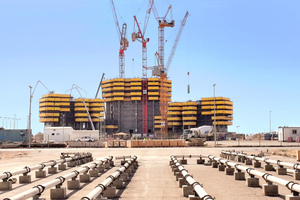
[(122, 39), (136, 36)]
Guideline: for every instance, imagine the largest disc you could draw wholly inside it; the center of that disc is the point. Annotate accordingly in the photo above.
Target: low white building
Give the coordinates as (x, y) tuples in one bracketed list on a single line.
[(63, 134), (288, 134)]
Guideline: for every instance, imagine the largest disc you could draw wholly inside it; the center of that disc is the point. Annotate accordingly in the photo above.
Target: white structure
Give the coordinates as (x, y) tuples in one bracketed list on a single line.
[(63, 134), (288, 134)]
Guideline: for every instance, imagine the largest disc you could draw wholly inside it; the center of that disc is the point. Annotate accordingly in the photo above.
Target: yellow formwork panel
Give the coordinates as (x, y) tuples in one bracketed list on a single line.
[(222, 123), (189, 112), (189, 107), (157, 126), (127, 89), (189, 123), (97, 100), (118, 93), (175, 113), (49, 120), (153, 93), (136, 93), (222, 118), (153, 79), (127, 94), (169, 99), (127, 99), (174, 118), (80, 109), (47, 104), (118, 98), (153, 88), (107, 81), (111, 126), (96, 104), (126, 80), (49, 109), (109, 99), (107, 95), (217, 103), (136, 88), (189, 118), (153, 98), (97, 119), (64, 109), (189, 103), (157, 117), (81, 114), (81, 104), (157, 121), (176, 124), (81, 119), (135, 79), (175, 108), (107, 85), (80, 100), (153, 83), (118, 80), (135, 98), (96, 109), (136, 83), (118, 84), (175, 104), (217, 98), (118, 88), (64, 104), (97, 114), (49, 115)]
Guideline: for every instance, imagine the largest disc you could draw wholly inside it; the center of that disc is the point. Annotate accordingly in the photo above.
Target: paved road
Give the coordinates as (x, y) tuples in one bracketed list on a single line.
[(152, 180)]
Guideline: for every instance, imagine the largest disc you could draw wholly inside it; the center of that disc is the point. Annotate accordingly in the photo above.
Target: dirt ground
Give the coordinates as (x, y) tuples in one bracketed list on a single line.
[(154, 178)]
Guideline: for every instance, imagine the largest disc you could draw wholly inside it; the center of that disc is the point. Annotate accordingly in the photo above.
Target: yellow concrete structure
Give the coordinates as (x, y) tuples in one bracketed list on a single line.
[(94, 106)]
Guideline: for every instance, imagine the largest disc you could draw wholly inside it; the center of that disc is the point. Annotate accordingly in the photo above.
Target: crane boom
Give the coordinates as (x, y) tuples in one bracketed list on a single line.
[(176, 42), (116, 19), (99, 85)]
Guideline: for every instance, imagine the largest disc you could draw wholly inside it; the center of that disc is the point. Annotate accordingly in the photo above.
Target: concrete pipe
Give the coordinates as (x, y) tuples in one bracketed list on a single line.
[(295, 166), (27, 169), (102, 186), (294, 187), (58, 181), (197, 187)]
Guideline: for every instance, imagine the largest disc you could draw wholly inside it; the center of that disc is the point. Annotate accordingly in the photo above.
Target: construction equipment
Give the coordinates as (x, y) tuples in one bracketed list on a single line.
[(123, 41), (99, 85), (136, 36)]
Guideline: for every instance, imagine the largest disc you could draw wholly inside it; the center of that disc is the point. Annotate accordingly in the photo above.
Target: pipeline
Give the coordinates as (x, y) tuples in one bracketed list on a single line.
[(39, 189), (197, 187), (122, 157), (294, 187), (102, 186), (27, 169), (295, 166)]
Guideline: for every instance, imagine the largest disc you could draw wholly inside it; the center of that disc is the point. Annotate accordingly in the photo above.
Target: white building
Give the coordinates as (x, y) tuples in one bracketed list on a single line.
[(63, 134), (288, 134)]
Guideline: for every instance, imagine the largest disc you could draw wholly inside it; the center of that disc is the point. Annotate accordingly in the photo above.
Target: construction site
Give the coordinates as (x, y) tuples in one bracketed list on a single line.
[(140, 107)]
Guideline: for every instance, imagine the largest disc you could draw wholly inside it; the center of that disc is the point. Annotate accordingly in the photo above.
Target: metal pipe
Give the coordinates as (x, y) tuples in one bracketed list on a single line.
[(295, 166), (197, 187), (58, 181), (26, 169), (294, 187), (102, 186)]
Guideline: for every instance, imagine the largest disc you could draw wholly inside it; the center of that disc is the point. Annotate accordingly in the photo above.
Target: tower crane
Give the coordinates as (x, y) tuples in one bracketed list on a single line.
[(122, 39), (162, 23), (136, 36)]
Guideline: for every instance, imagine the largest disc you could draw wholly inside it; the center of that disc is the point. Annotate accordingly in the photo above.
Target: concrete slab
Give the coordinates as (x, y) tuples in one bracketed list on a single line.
[(52, 170), (25, 179), (281, 171), (256, 164), (252, 182), (239, 175), (40, 174), (270, 190), (268, 167), (73, 184), (6, 185), (187, 190), (110, 192), (229, 171), (58, 193), (84, 178), (62, 167)]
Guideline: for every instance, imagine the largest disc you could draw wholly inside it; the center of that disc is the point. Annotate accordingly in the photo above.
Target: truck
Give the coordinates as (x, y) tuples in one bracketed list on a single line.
[(200, 132)]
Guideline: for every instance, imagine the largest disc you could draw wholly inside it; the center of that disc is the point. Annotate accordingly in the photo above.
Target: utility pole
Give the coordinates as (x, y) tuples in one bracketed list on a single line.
[(215, 137)]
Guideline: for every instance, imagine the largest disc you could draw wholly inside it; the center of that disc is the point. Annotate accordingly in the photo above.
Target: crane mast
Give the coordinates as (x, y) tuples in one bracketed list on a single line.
[(122, 39)]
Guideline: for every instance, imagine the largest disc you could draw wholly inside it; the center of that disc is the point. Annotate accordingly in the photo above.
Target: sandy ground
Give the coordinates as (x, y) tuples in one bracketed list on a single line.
[(154, 178)]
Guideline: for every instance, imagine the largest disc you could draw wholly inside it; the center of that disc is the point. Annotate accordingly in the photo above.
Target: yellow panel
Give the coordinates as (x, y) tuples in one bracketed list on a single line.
[(111, 126), (49, 115), (189, 112), (175, 113), (223, 123), (118, 80), (80, 100), (153, 93), (81, 104), (49, 120), (97, 119), (157, 126), (107, 95), (97, 100), (189, 118), (174, 108), (127, 88), (225, 107), (107, 90), (81, 114), (80, 109), (107, 81), (189, 123), (64, 109), (136, 88), (127, 80), (217, 98), (175, 104), (153, 98), (169, 81), (96, 109), (174, 118), (118, 88), (49, 109), (118, 93), (118, 84), (157, 122), (118, 98), (169, 95), (189, 108), (136, 93), (169, 85), (109, 99), (96, 104), (64, 104), (153, 79), (222, 118), (107, 85), (227, 112), (135, 83), (135, 98), (47, 104), (169, 99), (189, 103), (97, 114), (127, 84), (81, 120), (64, 99), (157, 117), (127, 99), (153, 88), (153, 83), (175, 123)]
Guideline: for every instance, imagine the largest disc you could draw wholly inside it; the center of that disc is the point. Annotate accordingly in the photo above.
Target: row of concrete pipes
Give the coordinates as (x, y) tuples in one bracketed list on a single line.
[(242, 157), (114, 178), (36, 191), (184, 177), (79, 158)]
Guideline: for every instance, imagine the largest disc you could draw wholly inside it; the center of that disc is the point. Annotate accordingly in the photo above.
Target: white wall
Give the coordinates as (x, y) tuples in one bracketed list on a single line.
[(285, 132), (57, 134)]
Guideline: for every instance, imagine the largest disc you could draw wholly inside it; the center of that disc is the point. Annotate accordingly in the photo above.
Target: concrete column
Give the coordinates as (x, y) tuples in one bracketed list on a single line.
[(110, 192), (270, 189), (222, 167), (124, 176), (215, 165), (178, 175), (62, 166), (119, 184), (200, 161), (84, 178), (52, 170), (25, 179), (248, 162), (175, 170), (229, 171), (281, 171), (187, 190), (170, 163), (107, 165), (269, 167), (297, 175), (181, 182), (183, 161), (58, 193), (71, 164), (5, 185), (101, 169), (252, 182), (73, 184), (124, 161), (40, 173), (94, 172), (239, 175), (112, 164), (256, 164)]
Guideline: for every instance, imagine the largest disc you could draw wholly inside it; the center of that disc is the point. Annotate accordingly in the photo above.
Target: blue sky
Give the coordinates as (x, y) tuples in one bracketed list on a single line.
[(249, 49)]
